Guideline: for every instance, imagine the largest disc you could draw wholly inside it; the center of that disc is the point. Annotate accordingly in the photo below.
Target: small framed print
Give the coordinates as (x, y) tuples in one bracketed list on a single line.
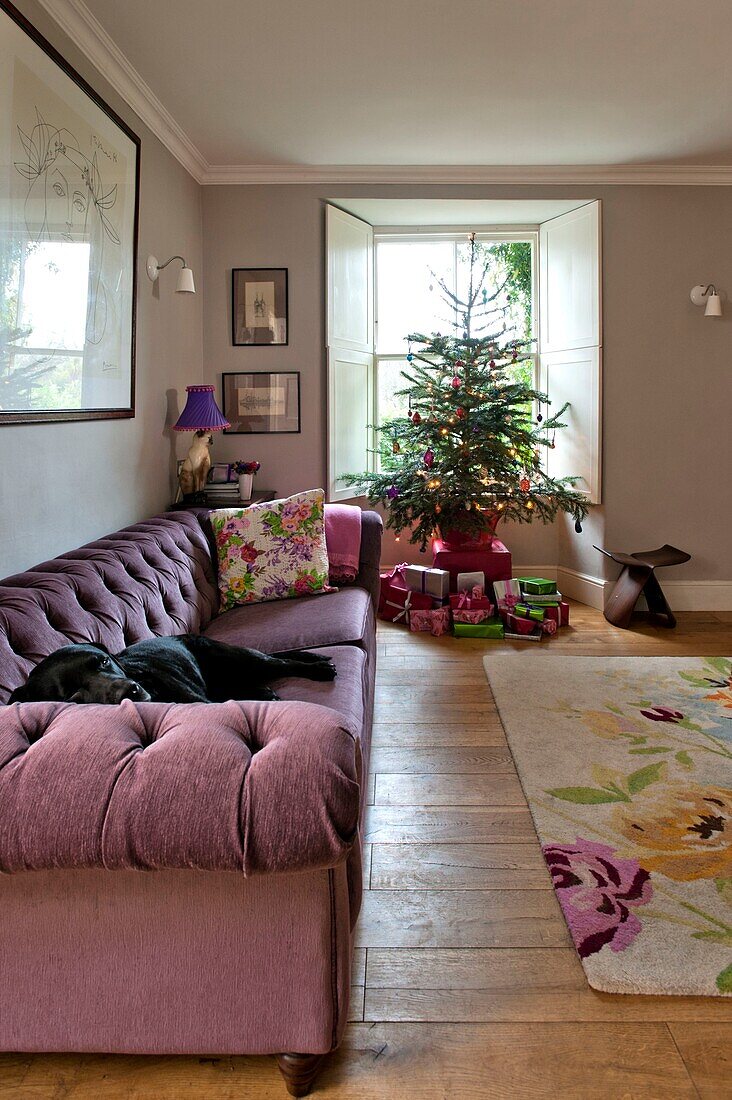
[(262, 402), (259, 306)]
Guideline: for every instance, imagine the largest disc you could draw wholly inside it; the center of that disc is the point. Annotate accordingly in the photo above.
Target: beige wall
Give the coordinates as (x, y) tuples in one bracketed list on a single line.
[(667, 370), (63, 484)]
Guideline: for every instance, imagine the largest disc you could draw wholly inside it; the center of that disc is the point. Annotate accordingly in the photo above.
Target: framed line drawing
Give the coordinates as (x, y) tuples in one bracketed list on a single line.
[(259, 306), (262, 402), (68, 239)]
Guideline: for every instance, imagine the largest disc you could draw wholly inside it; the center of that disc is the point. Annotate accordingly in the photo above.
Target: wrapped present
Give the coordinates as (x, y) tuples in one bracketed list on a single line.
[(433, 582), (527, 612), (535, 635), (491, 559), (473, 617), (436, 621), (543, 601), (539, 585), (516, 625), (397, 601), (493, 628), (466, 582), (549, 627), (558, 613), (474, 600), (503, 590)]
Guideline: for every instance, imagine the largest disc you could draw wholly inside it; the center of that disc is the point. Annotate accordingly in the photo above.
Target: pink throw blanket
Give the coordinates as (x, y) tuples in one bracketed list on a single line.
[(343, 540)]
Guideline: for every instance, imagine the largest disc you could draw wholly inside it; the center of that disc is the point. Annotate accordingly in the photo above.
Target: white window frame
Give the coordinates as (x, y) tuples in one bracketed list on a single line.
[(491, 234)]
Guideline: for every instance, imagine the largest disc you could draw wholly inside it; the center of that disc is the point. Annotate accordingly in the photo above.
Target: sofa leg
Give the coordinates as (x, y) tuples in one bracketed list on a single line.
[(299, 1071)]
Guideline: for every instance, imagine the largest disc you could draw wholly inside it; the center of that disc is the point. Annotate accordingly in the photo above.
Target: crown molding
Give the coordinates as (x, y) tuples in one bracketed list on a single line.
[(694, 175), (86, 32), (84, 29)]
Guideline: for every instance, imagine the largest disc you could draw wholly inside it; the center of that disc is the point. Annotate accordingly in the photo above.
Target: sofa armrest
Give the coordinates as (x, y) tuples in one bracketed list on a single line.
[(372, 529), (238, 786)]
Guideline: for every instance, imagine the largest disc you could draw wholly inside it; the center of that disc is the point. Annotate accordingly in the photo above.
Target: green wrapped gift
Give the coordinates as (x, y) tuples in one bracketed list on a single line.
[(492, 628), (538, 585), (526, 612)]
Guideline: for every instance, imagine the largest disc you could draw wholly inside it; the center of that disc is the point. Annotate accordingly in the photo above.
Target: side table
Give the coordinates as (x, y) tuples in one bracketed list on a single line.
[(225, 500)]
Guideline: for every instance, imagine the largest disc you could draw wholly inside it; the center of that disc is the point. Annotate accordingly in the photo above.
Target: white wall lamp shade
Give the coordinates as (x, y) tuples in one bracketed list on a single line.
[(709, 297), (185, 283)]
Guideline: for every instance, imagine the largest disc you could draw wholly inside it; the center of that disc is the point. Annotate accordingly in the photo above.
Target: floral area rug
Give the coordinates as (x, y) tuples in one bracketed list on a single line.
[(626, 763)]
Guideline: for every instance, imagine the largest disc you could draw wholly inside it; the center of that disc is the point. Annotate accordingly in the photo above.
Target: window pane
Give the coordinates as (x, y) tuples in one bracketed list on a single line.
[(409, 298), (507, 267), (390, 379)]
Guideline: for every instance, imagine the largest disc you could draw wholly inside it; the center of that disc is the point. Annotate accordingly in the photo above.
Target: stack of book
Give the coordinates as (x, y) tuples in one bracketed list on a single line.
[(223, 494)]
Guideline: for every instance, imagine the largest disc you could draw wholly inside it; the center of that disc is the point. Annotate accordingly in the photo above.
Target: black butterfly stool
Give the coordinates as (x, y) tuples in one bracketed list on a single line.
[(639, 576)]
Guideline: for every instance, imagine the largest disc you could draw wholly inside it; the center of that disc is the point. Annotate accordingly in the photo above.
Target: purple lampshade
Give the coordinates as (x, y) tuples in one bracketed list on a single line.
[(201, 413)]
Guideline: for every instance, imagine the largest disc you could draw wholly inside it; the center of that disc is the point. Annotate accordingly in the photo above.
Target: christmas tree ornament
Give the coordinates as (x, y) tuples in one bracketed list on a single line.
[(456, 382), (416, 418), (410, 357), (392, 493), (524, 485), (492, 364), (396, 447), (429, 458), (578, 527), (539, 418), (460, 413)]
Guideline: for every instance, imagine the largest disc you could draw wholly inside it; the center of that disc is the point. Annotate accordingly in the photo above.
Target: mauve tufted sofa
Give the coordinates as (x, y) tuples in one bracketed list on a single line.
[(181, 878)]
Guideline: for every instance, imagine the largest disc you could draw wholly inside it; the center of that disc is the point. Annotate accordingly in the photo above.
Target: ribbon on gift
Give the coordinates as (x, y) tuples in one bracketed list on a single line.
[(509, 602), (403, 608)]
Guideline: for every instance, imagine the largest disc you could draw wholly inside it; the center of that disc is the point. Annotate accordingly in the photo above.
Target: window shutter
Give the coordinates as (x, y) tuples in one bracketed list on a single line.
[(570, 344), (350, 344)]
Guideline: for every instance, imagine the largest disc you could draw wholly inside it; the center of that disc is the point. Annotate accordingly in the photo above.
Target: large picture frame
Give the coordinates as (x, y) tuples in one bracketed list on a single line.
[(261, 402), (69, 197), (259, 307)]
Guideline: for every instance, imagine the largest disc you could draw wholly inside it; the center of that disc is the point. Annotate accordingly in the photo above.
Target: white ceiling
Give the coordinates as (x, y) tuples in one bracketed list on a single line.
[(467, 213), (436, 82)]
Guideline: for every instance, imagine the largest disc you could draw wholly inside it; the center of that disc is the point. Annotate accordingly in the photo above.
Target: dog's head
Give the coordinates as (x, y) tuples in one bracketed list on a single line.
[(79, 674)]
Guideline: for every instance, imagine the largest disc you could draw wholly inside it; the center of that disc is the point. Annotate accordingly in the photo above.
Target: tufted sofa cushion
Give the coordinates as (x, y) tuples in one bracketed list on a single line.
[(154, 578), (249, 787)]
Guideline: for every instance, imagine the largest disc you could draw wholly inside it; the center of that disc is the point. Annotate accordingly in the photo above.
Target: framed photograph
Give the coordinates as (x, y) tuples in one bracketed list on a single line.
[(68, 239), (259, 306), (262, 402)]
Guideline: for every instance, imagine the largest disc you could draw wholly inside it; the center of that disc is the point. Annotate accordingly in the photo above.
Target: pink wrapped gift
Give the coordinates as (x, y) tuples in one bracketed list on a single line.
[(473, 617), (517, 625), (548, 626), (474, 600), (436, 622)]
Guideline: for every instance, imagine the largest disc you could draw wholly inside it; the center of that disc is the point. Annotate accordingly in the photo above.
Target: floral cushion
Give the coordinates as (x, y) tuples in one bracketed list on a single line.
[(272, 551)]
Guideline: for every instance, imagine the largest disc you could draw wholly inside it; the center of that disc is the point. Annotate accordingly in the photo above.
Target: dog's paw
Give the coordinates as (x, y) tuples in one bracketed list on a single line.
[(325, 670)]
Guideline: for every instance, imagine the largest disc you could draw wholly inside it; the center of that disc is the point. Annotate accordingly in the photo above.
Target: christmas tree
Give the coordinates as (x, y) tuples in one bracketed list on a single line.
[(467, 452)]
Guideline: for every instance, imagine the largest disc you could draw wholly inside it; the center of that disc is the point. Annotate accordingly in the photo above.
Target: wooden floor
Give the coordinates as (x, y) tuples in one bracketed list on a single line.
[(466, 982)]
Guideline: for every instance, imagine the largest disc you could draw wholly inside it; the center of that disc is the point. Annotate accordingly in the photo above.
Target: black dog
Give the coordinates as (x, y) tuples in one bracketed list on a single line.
[(185, 669)]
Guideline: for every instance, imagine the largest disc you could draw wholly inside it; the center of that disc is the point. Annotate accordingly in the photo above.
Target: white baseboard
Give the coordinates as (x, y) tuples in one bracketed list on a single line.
[(582, 587), (698, 595)]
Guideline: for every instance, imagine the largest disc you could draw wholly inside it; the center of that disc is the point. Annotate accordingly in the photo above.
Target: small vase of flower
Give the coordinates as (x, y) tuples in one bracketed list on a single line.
[(245, 471)]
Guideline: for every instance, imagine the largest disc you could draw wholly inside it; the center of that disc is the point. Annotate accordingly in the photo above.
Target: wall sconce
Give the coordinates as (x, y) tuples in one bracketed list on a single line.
[(709, 296), (185, 284)]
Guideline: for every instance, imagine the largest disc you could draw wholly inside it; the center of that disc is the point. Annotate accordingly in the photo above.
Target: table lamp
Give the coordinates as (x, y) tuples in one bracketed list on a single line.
[(201, 416)]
